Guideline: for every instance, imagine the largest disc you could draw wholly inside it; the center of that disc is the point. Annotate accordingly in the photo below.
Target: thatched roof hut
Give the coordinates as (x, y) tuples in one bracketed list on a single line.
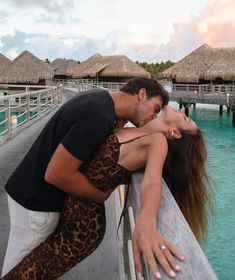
[(27, 69), (191, 69), (62, 67), (4, 61), (223, 68), (109, 68)]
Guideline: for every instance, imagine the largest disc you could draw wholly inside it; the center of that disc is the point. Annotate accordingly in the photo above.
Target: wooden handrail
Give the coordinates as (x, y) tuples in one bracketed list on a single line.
[(173, 226)]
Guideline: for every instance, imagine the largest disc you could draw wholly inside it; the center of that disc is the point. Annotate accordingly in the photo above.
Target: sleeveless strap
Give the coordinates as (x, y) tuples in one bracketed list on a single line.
[(133, 139)]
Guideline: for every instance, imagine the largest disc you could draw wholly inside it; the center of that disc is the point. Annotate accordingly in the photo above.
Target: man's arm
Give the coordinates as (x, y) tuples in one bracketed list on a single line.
[(62, 172)]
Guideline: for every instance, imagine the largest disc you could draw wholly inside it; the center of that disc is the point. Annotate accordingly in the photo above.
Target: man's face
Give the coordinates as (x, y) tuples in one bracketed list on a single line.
[(146, 110)]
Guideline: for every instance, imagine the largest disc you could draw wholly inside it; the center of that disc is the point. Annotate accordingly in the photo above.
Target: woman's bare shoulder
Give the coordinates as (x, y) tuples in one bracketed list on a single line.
[(158, 141), (158, 136)]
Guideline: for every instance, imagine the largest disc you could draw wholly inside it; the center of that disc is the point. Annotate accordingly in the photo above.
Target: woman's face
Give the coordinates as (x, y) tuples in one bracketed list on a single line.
[(178, 119)]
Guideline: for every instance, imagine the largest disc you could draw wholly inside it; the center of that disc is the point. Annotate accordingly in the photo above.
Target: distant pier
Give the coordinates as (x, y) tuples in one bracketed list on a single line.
[(187, 95)]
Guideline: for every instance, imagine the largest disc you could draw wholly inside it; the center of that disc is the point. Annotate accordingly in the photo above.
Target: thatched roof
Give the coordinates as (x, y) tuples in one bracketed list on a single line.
[(191, 69), (26, 68), (63, 66), (109, 66), (224, 67), (4, 61)]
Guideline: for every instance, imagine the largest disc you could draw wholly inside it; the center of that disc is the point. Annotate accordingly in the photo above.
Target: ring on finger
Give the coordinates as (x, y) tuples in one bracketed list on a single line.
[(162, 248)]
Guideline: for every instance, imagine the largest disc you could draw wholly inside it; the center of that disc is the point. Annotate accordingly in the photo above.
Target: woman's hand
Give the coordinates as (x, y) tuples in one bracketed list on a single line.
[(149, 242)]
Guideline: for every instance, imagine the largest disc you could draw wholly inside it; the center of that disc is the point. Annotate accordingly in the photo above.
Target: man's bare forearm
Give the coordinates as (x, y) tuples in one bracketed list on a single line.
[(78, 184)]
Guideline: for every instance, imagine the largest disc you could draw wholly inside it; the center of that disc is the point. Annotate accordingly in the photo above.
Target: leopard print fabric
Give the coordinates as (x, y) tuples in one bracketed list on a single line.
[(82, 223), (80, 231), (103, 171)]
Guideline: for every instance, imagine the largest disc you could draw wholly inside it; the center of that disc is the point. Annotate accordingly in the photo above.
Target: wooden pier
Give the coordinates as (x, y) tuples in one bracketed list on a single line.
[(222, 95)]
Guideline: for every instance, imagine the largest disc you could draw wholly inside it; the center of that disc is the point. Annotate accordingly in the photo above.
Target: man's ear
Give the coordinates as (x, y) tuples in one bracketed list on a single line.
[(173, 133), (142, 95)]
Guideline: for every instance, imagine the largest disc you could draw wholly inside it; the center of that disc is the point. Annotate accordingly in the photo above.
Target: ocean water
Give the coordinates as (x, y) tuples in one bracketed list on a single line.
[(219, 133)]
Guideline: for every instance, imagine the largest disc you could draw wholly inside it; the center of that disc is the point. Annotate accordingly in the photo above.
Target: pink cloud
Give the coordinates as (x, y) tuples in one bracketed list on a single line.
[(221, 35), (218, 23), (215, 26)]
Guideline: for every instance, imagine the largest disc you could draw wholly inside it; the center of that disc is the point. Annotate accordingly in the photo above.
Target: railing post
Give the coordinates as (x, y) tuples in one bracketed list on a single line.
[(8, 117), (27, 108), (39, 103), (57, 92)]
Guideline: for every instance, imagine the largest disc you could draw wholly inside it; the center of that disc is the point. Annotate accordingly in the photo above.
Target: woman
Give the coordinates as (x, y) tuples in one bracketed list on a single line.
[(170, 145)]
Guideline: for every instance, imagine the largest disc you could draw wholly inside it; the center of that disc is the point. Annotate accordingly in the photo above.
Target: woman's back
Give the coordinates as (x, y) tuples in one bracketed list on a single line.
[(122, 152)]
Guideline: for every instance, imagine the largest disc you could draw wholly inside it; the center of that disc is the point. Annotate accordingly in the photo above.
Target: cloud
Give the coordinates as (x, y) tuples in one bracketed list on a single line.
[(46, 46), (4, 16), (39, 44), (214, 25), (52, 5), (77, 30)]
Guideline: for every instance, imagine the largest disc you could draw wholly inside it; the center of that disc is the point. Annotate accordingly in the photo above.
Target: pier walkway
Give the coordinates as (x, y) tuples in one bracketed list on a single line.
[(100, 265)]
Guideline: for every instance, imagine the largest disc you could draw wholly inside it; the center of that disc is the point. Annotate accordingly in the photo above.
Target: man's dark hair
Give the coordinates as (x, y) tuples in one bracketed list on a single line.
[(153, 88)]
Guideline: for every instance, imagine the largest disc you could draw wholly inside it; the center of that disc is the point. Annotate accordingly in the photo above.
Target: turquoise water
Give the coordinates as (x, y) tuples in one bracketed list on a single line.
[(220, 140), (20, 119)]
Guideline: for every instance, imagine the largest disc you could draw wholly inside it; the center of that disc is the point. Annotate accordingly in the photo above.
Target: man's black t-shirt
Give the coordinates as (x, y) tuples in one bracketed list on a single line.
[(81, 125)]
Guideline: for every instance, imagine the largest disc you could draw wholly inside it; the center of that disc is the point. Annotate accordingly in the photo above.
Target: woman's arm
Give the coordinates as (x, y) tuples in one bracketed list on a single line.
[(146, 239), (62, 172)]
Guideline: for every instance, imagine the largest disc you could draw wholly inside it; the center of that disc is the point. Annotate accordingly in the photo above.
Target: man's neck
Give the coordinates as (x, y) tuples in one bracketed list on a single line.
[(123, 104)]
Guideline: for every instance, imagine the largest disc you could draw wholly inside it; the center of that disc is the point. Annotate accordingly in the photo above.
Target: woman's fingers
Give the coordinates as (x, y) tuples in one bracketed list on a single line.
[(149, 242), (165, 256), (138, 260), (174, 251), (150, 258), (171, 260), (166, 260)]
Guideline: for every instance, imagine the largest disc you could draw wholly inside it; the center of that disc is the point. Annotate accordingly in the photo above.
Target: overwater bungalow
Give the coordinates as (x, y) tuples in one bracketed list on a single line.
[(203, 65), (4, 62), (26, 69), (62, 67), (223, 70), (111, 68)]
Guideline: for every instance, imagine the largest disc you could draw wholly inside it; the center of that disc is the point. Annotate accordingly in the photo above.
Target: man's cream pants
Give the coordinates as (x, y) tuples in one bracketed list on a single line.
[(27, 230)]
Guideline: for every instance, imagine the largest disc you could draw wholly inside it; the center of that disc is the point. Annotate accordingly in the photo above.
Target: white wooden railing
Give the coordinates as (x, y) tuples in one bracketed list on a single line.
[(204, 88), (86, 84), (19, 110)]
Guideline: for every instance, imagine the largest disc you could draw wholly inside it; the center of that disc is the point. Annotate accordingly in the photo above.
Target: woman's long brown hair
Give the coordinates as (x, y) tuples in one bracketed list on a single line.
[(185, 173)]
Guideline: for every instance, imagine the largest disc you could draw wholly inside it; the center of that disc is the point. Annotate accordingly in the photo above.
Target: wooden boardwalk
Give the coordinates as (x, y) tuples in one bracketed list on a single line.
[(104, 263), (205, 94), (209, 98)]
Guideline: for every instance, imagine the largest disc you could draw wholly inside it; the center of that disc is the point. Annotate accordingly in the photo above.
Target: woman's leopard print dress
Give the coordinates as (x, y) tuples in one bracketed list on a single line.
[(82, 223)]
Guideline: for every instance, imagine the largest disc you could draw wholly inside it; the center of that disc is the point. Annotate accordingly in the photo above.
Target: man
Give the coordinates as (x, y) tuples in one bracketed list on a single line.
[(37, 188)]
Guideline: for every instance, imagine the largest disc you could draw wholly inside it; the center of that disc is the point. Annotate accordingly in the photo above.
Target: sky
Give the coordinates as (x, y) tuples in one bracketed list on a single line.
[(144, 30)]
